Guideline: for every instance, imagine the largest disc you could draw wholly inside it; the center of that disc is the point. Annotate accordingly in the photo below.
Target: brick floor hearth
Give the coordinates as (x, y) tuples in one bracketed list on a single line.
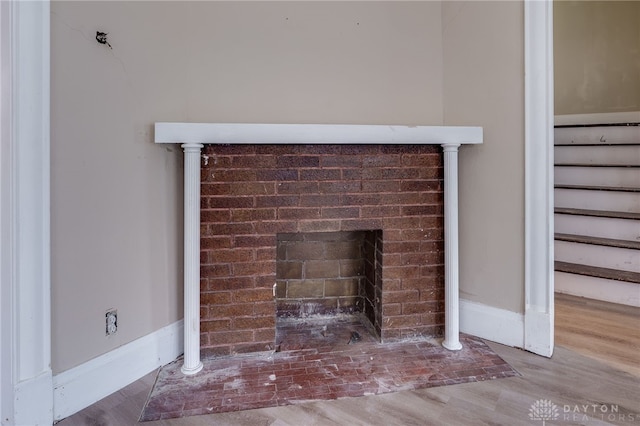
[(321, 358)]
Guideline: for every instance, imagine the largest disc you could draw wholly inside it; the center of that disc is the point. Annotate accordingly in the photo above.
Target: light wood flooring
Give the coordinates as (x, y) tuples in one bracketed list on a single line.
[(602, 331), (590, 372)]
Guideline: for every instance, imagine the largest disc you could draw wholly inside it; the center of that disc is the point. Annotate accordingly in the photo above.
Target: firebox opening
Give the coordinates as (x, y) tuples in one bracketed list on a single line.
[(330, 273)]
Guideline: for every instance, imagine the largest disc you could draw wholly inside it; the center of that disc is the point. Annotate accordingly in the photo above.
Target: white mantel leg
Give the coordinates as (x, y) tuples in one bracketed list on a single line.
[(192, 363), (451, 292)]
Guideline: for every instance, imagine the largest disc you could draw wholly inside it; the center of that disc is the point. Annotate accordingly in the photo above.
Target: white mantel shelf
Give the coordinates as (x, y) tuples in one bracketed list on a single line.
[(193, 137), (334, 134)]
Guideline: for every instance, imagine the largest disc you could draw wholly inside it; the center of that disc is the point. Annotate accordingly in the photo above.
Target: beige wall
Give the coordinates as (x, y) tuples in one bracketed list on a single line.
[(116, 197), (484, 85), (597, 56)]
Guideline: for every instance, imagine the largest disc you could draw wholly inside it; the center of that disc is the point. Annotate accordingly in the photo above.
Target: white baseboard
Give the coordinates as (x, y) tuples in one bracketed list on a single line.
[(84, 385), (495, 324), (598, 288), (539, 331), (603, 118), (26, 413)]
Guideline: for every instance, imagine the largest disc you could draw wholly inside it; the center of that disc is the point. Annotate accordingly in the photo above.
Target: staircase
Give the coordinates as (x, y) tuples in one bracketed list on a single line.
[(597, 211)]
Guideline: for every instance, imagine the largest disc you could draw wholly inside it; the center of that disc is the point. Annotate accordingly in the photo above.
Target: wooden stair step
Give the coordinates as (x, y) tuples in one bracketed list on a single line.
[(598, 272), (573, 126), (624, 166), (605, 134), (597, 188), (599, 144), (609, 242), (597, 213)]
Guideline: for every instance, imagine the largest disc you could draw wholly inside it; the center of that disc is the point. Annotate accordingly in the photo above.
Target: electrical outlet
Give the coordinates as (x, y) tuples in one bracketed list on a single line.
[(111, 318)]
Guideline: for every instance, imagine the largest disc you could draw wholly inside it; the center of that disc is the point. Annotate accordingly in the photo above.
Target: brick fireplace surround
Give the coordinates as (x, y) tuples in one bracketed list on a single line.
[(265, 194), (252, 193)]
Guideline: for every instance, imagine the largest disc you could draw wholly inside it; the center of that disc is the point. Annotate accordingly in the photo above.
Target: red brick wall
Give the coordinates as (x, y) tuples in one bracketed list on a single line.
[(252, 192)]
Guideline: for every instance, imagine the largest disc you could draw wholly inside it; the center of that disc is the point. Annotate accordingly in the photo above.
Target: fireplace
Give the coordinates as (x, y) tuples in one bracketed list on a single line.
[(320, 273), (377, 201), (319, 209)]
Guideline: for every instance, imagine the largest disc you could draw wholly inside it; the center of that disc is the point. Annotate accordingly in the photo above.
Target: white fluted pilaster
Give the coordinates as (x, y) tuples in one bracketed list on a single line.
[(192, 363), (451, 285)]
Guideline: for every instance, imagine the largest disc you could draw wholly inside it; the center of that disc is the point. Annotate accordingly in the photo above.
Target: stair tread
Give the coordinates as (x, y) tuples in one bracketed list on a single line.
[(602, 134), (599, 213), (599, 144), (567, 126), (609, 242), (597, 188), (598, 272), (624, 166)]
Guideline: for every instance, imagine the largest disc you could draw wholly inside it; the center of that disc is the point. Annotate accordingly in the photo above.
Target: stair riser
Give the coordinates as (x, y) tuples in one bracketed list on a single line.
[(601, 256), (618, 155), (598, 176), (598, 146), (597, 135), (598, 200), (598, 288), (619, 229)]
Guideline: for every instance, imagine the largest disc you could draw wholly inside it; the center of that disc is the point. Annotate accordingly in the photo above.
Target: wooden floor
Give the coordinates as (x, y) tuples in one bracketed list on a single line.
[(599, 330), (591, 379)]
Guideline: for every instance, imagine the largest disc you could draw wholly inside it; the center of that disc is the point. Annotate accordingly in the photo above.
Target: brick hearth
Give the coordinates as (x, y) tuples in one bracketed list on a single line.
[(252, 193)]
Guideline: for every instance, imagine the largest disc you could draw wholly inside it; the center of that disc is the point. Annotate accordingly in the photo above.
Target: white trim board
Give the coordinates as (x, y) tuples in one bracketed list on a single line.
[(495, 324), (538, 186), (252, 133), (84, 385), (25, 279)]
